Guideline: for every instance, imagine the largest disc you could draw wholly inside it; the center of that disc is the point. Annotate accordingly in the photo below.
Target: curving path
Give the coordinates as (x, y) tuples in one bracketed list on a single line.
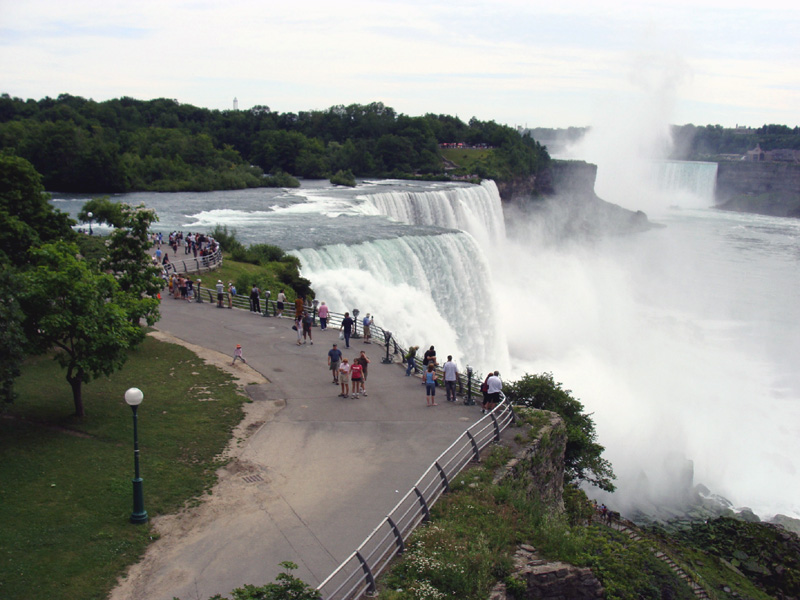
[(310, 474)]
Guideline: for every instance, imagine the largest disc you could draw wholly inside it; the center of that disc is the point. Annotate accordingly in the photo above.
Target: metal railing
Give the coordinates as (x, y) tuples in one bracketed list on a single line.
[(194, 264), (357, 575)]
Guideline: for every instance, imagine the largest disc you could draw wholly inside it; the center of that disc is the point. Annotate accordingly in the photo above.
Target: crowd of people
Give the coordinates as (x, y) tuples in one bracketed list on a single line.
[(350, 376)]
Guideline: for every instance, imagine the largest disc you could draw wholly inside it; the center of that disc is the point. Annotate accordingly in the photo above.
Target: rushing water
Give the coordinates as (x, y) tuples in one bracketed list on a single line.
[(682, 340)]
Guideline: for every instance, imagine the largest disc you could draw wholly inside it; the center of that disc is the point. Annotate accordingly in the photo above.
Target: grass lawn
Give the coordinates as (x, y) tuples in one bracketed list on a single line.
[(66, 492)]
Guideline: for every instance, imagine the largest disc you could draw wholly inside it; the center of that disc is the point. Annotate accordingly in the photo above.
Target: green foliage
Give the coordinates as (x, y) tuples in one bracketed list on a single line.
[(160, 145), (26, 217), (583, 458), (12, 336), (767, 555), (344, 178), (66, 482), (287, 587), (703, 142), (78, 310), (103, 211)]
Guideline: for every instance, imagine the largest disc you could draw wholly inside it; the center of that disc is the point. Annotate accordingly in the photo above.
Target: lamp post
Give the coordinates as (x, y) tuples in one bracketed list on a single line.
[(134, 397), (315, 302), (199, 294), (90, 215), (469, 401)]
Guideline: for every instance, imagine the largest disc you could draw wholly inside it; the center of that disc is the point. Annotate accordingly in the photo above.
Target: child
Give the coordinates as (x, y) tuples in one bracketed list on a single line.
[(238, 354)]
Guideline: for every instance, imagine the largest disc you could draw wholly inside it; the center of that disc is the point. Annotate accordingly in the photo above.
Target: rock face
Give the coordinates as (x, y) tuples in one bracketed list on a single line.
[(539, 465), (554, 580), (569, 208), (767, 188)]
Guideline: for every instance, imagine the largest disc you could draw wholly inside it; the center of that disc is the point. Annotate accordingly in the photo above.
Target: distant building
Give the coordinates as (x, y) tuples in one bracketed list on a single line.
[(235, 104), (777, 155)]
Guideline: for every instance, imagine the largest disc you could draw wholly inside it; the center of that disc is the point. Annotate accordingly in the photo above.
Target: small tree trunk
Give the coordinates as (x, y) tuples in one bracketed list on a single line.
[(77, 397)]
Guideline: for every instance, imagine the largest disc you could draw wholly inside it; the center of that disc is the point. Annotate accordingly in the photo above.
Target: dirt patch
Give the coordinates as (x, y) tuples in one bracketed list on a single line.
[(231, 494)]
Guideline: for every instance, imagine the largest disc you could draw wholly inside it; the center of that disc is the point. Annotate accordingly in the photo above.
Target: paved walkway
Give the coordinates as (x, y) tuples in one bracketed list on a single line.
[(314, 478)]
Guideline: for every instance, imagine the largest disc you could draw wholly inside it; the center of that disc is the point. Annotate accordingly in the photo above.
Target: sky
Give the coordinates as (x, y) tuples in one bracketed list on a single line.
[(518, 62)]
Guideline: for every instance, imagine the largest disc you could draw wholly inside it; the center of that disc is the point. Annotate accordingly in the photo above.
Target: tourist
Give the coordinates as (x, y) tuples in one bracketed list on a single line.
[(307, 320), (495, 386), (344, 378), (485, 392), (298, 327), (367, 323), (429, 357), (346, 328), (299, 307), (334, 358), (356, 377), (450, 378), (238, 354), (280, 303), (323, 317), (364, 362), (220, 293), (430, 384), (411, 360), (231, 294), (255, 299)]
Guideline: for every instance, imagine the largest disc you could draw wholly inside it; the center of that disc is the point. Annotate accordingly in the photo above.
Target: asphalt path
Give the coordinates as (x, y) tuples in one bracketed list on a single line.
[(314, 478)]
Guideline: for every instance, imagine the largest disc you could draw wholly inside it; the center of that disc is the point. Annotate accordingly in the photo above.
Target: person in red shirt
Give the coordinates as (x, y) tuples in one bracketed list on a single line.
[(356, 377)]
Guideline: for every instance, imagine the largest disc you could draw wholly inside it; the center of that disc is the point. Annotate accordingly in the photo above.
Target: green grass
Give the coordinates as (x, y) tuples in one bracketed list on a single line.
[(467, 157), (469, 544), (66, 492)]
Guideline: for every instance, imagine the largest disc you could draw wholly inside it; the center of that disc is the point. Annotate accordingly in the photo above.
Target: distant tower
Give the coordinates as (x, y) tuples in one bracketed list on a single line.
[(235, 104)]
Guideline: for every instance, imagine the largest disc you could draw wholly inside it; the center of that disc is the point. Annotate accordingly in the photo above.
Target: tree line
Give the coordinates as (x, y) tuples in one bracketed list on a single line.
[(124, 144), (708, 142)]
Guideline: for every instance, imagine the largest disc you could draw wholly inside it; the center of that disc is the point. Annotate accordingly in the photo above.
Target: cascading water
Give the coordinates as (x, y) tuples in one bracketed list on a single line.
[(677, 178), (474, 209), (427, 290)]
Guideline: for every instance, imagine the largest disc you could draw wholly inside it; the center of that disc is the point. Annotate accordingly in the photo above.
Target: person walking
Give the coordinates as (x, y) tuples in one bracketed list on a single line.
[(346, 328), (298, 327), (430, 385), (231, 294), (411, 360), (238, 354), (429, 358), (356, 377), (299, 306), (307, 320), (323, 317), (334, 358), (450, 378), (344, 378), (364, 362)]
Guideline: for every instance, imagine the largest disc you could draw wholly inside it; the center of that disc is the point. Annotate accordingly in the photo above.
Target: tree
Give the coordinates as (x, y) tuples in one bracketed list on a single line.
[(12, 337), (80, 312), (26, 217), (287, 587), (582, 458), (103, 211), (128, 259)]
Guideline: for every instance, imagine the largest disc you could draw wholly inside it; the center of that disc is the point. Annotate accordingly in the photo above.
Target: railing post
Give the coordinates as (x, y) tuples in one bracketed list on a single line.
[(401, 545), (371, 588), (424, 504), (475, 448), (444, 476), (496, 426)]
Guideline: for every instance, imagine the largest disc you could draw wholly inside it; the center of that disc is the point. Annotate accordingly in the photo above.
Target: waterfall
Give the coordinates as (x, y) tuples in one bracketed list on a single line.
[(427, 290), (687, 177), (475, 209)]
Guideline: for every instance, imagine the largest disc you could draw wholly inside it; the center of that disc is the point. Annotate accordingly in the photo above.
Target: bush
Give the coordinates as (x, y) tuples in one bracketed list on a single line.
[(344, 178)]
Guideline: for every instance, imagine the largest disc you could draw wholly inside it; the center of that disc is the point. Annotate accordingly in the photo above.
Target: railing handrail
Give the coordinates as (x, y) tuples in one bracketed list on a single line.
[(194, 264), (361, 575)]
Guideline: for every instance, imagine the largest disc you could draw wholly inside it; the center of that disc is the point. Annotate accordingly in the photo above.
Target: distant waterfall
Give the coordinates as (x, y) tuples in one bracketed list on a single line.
[(426, 289), (696, 178), (475, 209)]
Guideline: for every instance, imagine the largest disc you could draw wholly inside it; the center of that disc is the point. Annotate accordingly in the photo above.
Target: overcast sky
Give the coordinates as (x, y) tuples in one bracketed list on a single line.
[(536, 63)]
